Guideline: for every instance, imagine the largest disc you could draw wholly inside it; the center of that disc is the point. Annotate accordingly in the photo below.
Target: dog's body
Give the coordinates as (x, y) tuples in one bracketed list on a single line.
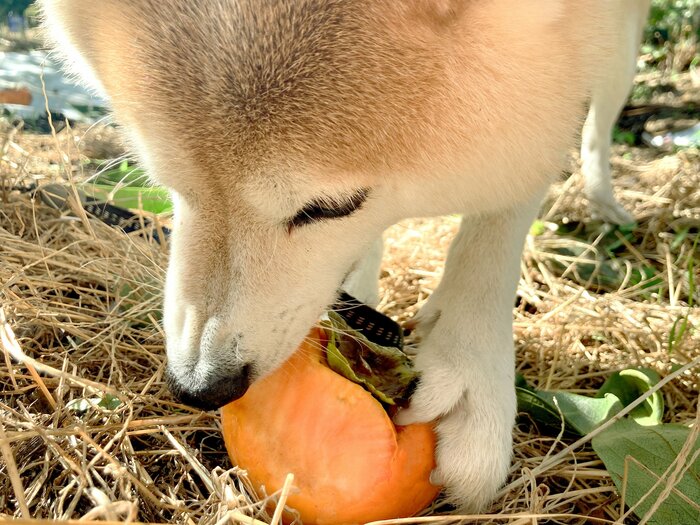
[(318, 123)]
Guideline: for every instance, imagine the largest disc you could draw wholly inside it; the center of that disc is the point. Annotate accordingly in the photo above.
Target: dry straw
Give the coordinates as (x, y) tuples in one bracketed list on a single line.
[(89, 432)]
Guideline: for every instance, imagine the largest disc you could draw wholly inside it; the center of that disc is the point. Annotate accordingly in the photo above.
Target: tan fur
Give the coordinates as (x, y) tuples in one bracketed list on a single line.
[(353, 88), (251, 109)]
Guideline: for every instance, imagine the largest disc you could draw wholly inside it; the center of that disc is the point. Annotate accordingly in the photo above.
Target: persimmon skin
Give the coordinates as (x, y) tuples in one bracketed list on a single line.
[(350, 463)]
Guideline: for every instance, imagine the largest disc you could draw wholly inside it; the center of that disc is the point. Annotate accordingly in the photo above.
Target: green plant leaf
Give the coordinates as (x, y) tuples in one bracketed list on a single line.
[(682, 324), (387, 372), (541, 411), (124, 174), (647, 276), (679, 238), (538, 228), (627, 385), (107, 402), (153, 199), (581, 413), (620, 136), (340, 364), (128, 187), (647, 453)]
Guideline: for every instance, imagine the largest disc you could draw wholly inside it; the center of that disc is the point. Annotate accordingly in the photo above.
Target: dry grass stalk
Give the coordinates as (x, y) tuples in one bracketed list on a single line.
[(93, 432)]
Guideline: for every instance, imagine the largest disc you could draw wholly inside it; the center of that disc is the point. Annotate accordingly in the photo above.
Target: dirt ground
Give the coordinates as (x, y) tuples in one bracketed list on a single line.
[(81, 303)]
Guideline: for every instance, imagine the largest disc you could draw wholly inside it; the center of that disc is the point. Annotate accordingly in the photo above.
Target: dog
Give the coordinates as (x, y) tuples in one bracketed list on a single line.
[(292, 133)]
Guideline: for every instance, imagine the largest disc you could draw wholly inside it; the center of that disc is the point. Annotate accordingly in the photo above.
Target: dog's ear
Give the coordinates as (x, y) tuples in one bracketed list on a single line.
[(74, 29), (60, 23)]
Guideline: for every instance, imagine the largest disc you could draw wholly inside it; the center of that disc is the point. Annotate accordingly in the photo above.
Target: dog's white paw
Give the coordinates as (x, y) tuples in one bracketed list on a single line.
[(609, 210), (473, 402), (598, 189)]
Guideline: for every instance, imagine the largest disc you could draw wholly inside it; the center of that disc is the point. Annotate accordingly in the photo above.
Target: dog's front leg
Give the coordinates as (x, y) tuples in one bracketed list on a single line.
[(466, 357)]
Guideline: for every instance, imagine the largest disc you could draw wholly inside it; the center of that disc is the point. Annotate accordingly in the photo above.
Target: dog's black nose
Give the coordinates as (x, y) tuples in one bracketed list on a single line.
[(212, 392)]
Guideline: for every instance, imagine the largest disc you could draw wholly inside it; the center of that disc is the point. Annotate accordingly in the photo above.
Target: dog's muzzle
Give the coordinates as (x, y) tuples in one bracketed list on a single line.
[(212, 392)]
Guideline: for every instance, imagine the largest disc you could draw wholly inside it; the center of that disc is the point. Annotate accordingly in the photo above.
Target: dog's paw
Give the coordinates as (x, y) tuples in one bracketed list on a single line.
[(602, 203), (474, 410), (422, 323), (609, 210)]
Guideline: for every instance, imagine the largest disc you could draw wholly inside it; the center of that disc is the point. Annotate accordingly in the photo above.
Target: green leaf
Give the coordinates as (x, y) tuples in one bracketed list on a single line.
[(679, 238), (153, 199), (538, 228), (581, 413), (682, 324), (585, 268), (521, 382), (339, 363), (628, 385), (608, 266), (385, 371), (647, 276), (623, 137), (615, 239), (128, 187), (541, 411), (678, 330), (647, 452), (107, 402), (125, 174)]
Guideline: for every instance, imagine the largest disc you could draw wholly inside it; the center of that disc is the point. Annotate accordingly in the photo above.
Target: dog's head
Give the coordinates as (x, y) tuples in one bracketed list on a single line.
[(291, 134)]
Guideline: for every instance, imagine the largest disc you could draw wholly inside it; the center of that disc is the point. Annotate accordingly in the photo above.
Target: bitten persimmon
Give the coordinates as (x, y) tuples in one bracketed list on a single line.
[(351, 464)]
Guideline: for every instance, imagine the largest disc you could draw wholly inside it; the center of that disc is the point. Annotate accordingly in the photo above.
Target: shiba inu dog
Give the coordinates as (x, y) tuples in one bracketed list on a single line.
[(292, 133)]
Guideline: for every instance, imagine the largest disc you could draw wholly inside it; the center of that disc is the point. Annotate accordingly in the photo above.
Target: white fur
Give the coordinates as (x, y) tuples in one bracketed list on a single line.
[(243, 289), (466, 355), (363, 280), (608, 98)]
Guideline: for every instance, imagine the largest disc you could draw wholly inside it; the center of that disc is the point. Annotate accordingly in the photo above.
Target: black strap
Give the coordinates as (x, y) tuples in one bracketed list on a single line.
[(56, 196), (375, 326), (121, 218)]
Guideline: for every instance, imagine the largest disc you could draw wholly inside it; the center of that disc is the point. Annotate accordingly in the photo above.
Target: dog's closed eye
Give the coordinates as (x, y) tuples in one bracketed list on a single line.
[(324, 209)]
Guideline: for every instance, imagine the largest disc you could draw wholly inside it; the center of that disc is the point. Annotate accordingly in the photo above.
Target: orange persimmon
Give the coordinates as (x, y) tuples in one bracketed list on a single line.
[(350, 463)]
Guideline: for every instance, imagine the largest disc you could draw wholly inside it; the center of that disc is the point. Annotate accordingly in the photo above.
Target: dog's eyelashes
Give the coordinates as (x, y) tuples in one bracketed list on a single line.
[(319, 210)]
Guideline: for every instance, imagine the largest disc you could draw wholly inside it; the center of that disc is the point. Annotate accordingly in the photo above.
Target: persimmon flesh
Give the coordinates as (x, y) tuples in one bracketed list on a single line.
[(350, 463)]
